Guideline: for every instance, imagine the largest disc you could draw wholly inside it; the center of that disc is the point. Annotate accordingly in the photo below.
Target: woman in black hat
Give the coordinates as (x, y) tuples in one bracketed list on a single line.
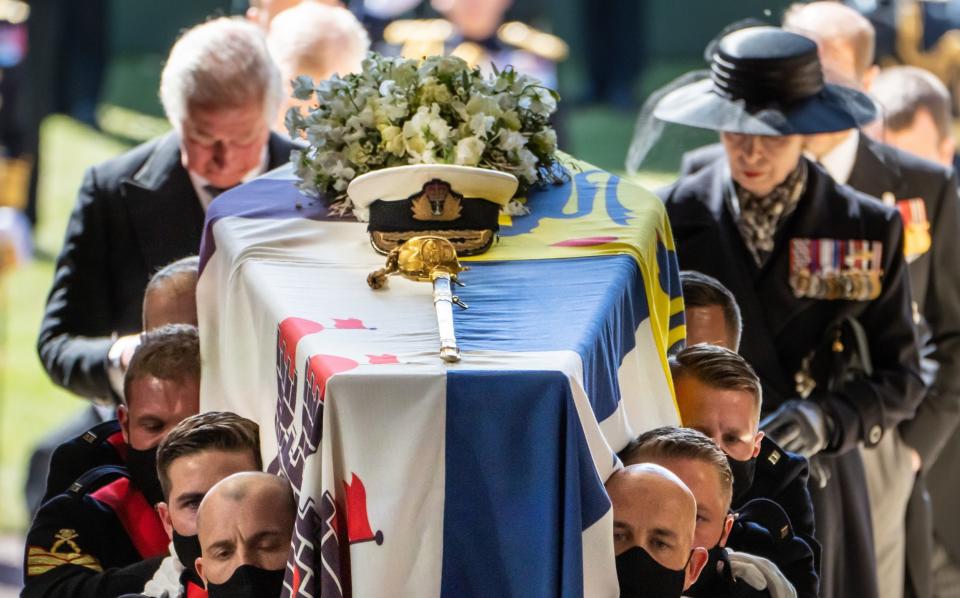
[(816, 267)]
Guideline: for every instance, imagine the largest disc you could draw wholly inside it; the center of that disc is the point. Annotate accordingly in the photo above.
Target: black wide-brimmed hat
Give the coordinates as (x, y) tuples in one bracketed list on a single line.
[(766, 81)]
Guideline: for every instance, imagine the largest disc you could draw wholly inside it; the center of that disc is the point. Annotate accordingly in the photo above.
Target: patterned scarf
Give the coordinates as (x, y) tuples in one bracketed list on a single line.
[(760, 217)]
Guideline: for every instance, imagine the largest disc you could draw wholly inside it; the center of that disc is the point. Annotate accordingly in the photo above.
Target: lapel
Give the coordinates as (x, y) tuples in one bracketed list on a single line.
[(165, 213), (278, 151), (872, 173)]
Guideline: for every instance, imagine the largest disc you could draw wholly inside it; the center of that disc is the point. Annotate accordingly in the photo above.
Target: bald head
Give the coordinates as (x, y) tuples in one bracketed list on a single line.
[(653, 509), (845, 38), (171, 295), (245, 519)]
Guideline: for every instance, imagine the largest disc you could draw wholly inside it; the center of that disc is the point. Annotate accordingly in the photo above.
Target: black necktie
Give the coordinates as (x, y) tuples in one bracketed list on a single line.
[(215, 191)]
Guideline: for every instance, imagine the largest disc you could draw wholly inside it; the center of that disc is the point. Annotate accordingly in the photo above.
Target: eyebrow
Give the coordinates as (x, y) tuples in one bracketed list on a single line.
[(265, 535), (661, 532)]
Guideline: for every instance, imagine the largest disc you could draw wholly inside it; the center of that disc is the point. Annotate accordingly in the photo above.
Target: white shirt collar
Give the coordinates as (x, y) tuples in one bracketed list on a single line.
[(200, 183), (839, 161)]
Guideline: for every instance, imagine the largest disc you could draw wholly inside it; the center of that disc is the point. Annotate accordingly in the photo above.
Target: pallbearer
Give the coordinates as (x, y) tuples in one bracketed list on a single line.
[(817, 268)]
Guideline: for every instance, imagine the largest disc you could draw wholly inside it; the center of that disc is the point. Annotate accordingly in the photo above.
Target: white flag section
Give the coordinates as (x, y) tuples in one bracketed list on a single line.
[(416, 477)]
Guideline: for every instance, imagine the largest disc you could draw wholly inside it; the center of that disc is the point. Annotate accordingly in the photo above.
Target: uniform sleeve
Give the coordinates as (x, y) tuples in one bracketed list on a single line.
[(939, 413), (795, 499), (74, 336), (66, 555), (864, 408), (782, 547)]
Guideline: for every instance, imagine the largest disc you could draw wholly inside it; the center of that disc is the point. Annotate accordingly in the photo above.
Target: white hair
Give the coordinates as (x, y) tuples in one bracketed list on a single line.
[(318, 40), (223, 63)]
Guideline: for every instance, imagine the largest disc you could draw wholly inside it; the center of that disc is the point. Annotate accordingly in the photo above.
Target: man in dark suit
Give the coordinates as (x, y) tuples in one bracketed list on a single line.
[(917, 118), (145, 208), (803, 256)]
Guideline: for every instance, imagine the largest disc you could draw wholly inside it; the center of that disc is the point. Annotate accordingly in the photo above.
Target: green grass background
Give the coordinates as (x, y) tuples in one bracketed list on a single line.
[(30, 405)]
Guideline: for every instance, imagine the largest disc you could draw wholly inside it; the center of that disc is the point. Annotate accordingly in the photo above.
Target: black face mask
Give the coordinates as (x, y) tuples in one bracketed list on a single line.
[(249, 581), (743, 472), (142, 466), (715, 579), (188, 549), (641, 576)]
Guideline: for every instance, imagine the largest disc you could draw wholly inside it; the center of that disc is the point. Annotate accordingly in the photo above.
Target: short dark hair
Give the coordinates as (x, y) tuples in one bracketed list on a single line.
[(717, 367), (903, 91), (214, 430), (701, 290), (170, 352), (674, 442)]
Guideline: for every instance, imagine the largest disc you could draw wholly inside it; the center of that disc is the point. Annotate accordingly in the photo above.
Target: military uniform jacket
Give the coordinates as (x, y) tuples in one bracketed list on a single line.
[(780, 328), (134, 214), (99, 539), (763, 528), (926, 195), (781, 476), (102, 444)]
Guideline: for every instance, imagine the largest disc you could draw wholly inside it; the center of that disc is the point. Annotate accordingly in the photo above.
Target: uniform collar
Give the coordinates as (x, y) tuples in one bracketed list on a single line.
[(839, 161)]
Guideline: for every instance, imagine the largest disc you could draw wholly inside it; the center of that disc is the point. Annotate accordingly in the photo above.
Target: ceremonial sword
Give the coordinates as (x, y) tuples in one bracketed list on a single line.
[(429, 259)]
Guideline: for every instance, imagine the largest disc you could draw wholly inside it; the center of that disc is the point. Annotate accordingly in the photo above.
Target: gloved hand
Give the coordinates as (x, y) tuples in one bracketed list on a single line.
[(760, 574), (798, 426)]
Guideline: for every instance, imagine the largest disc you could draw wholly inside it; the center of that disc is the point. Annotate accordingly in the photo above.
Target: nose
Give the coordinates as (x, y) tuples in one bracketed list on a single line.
[(220, 155), (753, 150), (250, 555)]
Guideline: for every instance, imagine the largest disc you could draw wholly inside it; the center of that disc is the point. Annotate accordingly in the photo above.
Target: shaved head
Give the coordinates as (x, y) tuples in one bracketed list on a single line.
[(845, 38), (651, 503), (245, 519)]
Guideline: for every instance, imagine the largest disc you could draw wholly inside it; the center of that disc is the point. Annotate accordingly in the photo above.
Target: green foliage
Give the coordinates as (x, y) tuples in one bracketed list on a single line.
[(398, 112)]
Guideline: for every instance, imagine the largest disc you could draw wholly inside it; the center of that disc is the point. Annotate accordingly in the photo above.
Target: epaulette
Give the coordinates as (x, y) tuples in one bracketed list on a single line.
[(539, 43), (97, 478), (102, 444), (769, 515), (419, 37)]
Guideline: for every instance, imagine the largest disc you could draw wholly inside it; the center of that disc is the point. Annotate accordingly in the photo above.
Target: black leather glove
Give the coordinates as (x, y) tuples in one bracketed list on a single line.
[(798, 426)]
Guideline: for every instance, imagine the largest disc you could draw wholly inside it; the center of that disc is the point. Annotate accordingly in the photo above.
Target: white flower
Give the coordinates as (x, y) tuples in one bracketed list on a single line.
[(481, 124), (469, 151), (401, 111), (392, 140), (512, 140), (527, 167)]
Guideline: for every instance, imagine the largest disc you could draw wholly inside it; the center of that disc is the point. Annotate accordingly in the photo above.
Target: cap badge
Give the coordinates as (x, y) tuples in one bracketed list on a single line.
[(436, 202)]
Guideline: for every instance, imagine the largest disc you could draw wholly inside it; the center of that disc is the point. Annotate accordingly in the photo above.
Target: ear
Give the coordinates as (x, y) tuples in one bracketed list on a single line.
[(698, 560), (198, 565), (727, 526), (756, 445), (164, 511), (123, 416)]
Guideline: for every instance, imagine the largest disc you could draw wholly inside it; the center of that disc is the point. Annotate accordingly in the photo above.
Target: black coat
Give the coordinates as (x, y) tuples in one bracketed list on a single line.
[(98, 558), (781, 476), (764, 529), (134, 214), (779, 330), (935, 282)]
